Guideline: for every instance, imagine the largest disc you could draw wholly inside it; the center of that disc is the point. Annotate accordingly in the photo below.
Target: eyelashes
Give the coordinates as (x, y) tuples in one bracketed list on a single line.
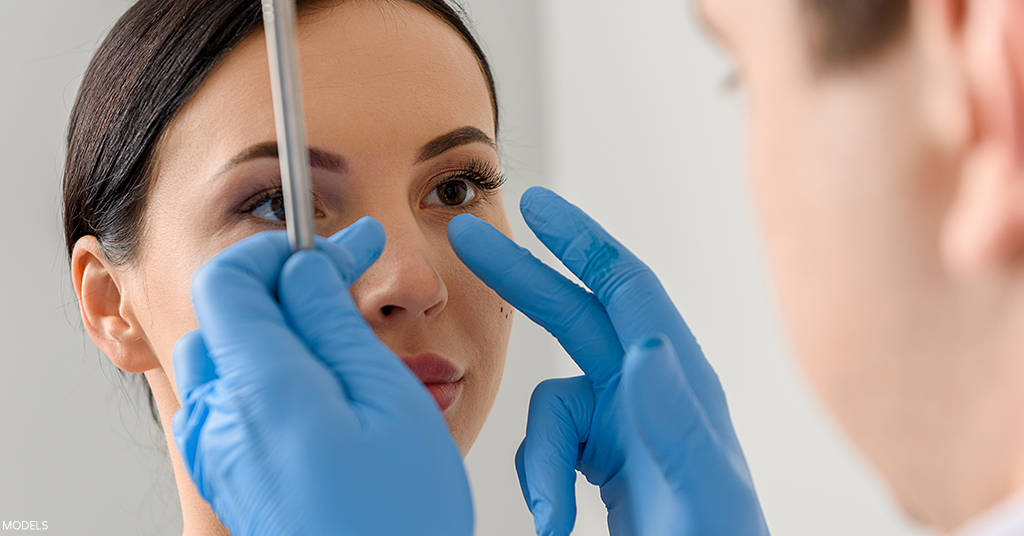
[(266, 202), (482, 174), (462, 189), (466, 183)]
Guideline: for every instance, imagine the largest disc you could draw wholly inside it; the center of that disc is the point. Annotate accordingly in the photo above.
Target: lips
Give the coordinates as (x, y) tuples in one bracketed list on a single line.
[(441, 377)]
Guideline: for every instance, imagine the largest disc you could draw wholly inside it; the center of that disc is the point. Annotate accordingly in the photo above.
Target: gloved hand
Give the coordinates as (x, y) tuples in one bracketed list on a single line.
[(295, 418), (650, 425)]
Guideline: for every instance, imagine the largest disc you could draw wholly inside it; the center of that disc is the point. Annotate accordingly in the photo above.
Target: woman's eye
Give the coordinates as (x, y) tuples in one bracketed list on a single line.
[(272, 209), (453, 193)]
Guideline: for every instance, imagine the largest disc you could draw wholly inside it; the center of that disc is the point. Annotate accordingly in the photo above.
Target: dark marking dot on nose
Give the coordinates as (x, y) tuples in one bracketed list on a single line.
[(386, 310), (503, 309)]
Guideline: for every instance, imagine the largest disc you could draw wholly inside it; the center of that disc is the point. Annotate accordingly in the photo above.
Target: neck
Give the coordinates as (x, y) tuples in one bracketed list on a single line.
[(198, 518)]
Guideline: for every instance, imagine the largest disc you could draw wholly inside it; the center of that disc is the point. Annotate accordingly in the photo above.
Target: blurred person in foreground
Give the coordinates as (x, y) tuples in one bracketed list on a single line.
[(887, 142)]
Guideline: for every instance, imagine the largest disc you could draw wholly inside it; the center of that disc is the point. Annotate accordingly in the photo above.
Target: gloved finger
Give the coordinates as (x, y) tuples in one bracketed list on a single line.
[(319, 307), (386, 401), (634, 298), (521, 473), (667, 416), (604, 265), (561, 411), (570, 313), (673, 426), (361, 244), (194, 375), (234, 299), (192, 365)]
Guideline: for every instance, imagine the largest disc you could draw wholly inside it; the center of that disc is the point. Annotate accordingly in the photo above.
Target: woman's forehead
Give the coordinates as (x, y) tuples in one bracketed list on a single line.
[(388, 71)]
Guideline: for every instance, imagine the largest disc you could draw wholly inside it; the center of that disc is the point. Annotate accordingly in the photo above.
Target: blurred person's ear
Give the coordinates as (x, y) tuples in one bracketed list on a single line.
[(106, 313), (984, 227)]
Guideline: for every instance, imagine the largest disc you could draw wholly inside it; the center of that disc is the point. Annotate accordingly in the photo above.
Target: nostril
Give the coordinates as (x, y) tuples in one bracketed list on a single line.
[(386, 310)]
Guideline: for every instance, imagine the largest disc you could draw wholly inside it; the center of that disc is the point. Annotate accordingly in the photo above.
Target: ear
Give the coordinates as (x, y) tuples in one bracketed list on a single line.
[(984, 228), (106, 313)]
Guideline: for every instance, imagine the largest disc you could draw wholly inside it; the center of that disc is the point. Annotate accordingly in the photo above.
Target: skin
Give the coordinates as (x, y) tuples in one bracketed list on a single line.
[(381, 81), (890, 195)]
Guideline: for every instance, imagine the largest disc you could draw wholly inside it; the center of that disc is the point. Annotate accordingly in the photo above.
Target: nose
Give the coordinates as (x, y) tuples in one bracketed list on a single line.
[(403, 286)]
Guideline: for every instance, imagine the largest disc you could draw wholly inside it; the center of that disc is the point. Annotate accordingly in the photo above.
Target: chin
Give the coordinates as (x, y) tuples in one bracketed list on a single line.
[(464, 428), (911, 508), (912, 474)]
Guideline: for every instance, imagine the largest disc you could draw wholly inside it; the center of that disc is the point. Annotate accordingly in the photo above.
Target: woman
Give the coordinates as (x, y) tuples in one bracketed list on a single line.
[(171, 158)]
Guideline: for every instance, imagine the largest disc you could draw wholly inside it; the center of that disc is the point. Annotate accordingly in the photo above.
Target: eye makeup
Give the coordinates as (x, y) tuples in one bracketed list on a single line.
[(479, 174), (457, 189), (274, 197), (268, 203)]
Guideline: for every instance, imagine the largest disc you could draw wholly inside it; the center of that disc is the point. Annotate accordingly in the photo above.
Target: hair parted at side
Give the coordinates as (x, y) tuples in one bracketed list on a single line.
[(155, 58), (845, 33)]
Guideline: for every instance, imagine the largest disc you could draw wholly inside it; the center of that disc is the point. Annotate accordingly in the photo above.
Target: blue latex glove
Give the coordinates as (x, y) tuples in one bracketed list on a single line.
[(650, 425), (295, 418)]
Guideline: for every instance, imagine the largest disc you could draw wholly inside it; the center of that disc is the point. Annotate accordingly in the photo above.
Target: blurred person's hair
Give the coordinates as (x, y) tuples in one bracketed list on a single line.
[(846, 33)]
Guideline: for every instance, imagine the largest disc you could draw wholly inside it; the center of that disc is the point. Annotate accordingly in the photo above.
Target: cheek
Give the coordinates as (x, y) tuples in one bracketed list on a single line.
[(852, 247), (823, 256), (173, 248), (185, 226), (481, 323), (483, 317), (477, 307), (166, 312)]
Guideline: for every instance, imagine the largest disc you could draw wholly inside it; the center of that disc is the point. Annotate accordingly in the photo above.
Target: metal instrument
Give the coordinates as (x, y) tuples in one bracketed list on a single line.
[(279, 21)]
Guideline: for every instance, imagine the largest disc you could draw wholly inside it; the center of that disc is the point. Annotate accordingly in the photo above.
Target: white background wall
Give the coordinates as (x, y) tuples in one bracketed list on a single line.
[(616, 105)]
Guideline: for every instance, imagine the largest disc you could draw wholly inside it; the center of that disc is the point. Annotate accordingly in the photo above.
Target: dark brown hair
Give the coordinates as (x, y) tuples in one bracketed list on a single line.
[(844, 33), (155, 58)]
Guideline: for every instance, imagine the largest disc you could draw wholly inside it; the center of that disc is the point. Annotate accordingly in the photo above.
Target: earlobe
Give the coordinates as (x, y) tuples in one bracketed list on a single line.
[(106, 313), (984, 227)]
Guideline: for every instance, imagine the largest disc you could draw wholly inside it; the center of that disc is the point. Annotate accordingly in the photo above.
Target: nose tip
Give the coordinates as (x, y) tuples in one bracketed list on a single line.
[(403, 286)]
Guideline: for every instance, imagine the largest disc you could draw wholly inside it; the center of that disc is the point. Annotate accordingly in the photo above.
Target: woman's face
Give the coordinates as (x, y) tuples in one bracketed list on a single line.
[(401, 127)]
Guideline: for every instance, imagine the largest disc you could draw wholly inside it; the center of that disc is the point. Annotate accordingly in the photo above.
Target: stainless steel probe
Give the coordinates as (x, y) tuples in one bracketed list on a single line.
[(279, 22)]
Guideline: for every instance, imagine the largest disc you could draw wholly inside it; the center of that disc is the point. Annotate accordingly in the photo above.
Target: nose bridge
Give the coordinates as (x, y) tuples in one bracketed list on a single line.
[(403, 284)]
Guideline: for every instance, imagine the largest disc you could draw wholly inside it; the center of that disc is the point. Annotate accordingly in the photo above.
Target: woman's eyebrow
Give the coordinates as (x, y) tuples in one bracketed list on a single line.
[(451, 140), (318, 158), (329, 161)]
